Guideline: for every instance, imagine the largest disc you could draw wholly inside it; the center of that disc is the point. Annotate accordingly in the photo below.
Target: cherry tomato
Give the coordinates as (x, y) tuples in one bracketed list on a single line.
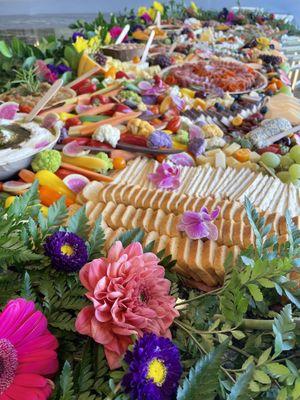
[(24, 108), (119, 163), (75, 121), (173, 124)]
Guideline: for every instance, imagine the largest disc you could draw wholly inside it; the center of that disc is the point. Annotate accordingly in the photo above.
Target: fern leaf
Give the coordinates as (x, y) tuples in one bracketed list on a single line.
[(240, 390), (134, 235), (26, 290), (67, 383), (283, 328), (204, 375), (96, 240), (78, 224), (25, 204)]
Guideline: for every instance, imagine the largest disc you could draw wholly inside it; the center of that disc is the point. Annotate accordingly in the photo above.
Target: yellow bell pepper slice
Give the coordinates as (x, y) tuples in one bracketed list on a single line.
[(64, 116), (88, 162), (47, 178), (188, 92)]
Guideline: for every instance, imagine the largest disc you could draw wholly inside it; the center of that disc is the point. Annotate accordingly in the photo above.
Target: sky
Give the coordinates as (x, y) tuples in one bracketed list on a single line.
[(33, 7)]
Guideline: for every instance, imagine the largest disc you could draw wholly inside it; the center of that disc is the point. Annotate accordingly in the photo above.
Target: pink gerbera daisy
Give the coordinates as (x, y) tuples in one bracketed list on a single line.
[(27, 353)]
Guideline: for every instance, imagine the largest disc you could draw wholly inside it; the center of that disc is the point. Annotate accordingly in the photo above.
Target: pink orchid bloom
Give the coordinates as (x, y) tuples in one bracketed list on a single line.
[(199, 225), (166, 177)]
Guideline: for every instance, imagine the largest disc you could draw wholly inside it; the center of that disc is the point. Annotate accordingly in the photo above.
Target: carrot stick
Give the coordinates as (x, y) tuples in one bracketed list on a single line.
[(98, 110), (27, 176), (88, 130), (87, 173)]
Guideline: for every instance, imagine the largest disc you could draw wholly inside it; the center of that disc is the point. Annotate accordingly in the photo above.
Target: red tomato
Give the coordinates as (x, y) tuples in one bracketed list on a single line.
[(96, 143), (75, 121), (25, 108)]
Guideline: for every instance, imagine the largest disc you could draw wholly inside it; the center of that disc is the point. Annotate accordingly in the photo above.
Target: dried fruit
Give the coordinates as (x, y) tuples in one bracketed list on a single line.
[(237, 121)]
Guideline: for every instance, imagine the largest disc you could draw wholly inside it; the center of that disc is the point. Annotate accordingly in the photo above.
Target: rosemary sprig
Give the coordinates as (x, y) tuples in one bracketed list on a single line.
[(28, 78)]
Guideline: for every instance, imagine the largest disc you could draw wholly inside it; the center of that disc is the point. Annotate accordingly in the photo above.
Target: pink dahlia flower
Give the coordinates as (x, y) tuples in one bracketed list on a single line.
[(130, 297), (199, 225), (166, 177), (27, 353)]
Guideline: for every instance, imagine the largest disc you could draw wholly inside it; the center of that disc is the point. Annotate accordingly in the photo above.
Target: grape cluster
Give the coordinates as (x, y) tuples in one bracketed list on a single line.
[(100, 58), (270, 59), (162, 60)]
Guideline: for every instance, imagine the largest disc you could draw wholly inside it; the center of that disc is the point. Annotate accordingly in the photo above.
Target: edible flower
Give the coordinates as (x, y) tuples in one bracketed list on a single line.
[(197, 146), (66, 250), (115, 32), (158, 7), (129, 295), (152, 13), (263, 42), (76, 35), (154, 369), (107, 39), (141, 11), (44, 73), (147, 18), (199, 225), (166, 177), (58, 69), (27, 352), (81, 44)]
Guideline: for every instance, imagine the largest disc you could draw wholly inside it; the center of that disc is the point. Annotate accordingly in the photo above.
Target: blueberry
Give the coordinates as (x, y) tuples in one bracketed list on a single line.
[(269, 93), (272, 46), (234, 107), (264, 110)]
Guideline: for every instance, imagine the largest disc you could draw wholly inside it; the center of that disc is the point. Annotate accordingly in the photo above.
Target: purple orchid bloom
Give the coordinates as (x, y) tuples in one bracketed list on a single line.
[(199, 225), (166, 177)]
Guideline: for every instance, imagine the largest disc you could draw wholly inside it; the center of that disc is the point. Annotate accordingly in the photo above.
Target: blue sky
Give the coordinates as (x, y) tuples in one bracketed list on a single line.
[(31, 7)]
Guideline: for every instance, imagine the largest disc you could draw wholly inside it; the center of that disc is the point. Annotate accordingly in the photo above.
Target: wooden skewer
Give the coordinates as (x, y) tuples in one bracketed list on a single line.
[(147, 48), (44, 100), (89, 73), (123, 34)]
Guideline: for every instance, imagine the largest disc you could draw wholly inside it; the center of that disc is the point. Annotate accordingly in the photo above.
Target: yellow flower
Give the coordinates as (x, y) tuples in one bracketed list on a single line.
[(94, 43), (81, 44), (194, 7), (107, 39), (141, 11), (263, 42), (158, 7), (152, 13)]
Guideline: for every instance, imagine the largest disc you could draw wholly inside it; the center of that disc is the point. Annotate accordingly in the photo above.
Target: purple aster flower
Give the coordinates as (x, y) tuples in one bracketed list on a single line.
[(199, 225), (67, 251), (166, 177), (76, 35), (137, 27), (159, 139), (197, 146), (154, 369)]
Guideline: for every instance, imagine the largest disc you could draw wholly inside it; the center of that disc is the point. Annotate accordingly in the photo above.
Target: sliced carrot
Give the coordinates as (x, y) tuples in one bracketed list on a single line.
[(48, 196), (88, 130), (87, 173), (27, 176)]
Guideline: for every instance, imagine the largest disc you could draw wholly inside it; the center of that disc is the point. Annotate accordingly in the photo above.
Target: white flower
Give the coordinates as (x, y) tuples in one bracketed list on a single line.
[(107, 133)]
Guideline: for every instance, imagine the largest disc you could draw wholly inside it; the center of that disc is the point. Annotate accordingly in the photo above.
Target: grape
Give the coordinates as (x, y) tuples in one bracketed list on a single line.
[(296, 183), (286, 162), (271, 160), (284, 176), (295, 153), (294, 171)]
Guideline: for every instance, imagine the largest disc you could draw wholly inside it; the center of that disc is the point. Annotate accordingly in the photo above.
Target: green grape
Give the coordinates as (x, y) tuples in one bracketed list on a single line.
[(294, 171), (286, 162), (284, 176), (295, 153), (271, 160)]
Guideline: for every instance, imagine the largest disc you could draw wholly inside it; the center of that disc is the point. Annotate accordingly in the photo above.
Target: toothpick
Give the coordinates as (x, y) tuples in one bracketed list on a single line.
[(123, 34), (147, 48)]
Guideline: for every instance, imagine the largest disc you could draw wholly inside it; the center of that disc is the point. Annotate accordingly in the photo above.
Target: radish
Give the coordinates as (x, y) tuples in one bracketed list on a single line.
[(73, 149), (76, 182)]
